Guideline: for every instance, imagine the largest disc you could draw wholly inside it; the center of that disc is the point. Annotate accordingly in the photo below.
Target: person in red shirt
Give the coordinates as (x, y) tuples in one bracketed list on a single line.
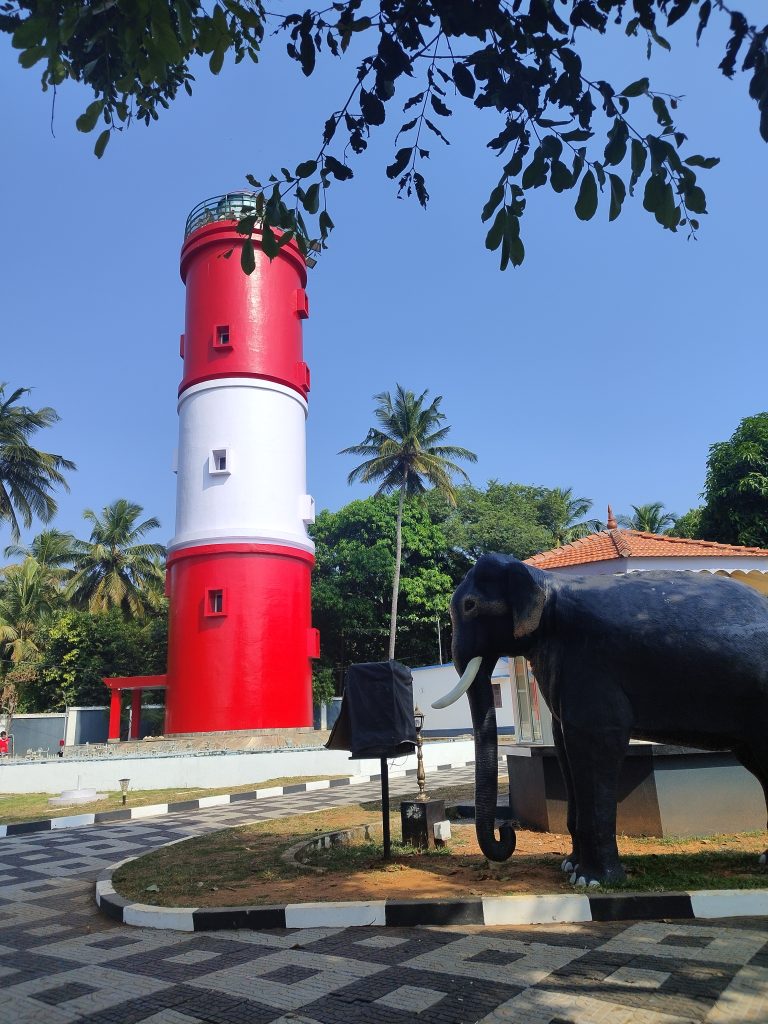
[(3, 744)]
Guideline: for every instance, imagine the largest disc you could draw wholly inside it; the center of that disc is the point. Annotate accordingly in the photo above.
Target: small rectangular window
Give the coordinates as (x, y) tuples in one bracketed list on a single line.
[(214, 602), (496, 687), (219, 462), (222, 336)]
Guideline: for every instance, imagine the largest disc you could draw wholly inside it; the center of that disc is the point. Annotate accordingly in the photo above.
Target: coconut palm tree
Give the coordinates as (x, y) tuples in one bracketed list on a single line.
[(27, 595), (563, 515), (405, 453), (650, 518), (27, 475), (51, 549), (113, 569)]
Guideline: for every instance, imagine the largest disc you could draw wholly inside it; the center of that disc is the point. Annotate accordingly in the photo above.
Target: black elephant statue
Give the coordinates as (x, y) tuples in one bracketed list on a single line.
[(671, 657)]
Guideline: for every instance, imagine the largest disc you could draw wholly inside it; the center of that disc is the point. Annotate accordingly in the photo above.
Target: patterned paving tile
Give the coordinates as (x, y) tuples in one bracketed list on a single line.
[(61, 962)]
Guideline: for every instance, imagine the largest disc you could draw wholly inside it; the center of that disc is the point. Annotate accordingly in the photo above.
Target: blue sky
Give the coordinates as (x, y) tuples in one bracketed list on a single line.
[(609, 362)]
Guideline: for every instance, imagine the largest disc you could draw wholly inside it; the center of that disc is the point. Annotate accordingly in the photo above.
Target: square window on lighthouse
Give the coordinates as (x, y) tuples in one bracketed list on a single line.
[(214, 602), (219, 462), (221, 336)]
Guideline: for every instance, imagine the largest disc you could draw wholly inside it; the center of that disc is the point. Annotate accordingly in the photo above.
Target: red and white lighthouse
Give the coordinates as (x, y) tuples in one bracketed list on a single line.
[(239, 564)]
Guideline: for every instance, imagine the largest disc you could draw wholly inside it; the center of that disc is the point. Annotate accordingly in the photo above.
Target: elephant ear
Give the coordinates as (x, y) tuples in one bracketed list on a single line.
[(526, 595)]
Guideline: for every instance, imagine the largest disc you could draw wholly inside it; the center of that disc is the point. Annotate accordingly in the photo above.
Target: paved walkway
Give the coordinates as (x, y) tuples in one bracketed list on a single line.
[(61, 961)]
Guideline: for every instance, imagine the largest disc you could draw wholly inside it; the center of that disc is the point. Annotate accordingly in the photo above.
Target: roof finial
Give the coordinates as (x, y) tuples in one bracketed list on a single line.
[(611, 524)]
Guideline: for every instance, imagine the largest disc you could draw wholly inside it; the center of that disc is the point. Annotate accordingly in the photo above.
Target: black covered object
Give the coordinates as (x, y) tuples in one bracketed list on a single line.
[(376, 717)]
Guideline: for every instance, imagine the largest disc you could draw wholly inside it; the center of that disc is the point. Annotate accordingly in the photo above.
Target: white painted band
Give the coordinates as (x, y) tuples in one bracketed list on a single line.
[(257, 383)]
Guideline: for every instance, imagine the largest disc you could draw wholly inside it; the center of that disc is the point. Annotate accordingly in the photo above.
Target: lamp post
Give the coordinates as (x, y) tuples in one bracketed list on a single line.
[(420, 815), (124, 783), (418, 717)]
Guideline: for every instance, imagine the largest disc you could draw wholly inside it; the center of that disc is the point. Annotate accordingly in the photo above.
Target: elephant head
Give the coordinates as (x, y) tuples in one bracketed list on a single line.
[(496, 610)]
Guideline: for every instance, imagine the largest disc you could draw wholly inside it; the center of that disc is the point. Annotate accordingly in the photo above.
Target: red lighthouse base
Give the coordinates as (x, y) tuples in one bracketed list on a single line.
[(240, 640)]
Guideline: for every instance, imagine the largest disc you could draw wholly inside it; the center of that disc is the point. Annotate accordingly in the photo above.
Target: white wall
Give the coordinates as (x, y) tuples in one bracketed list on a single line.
[(738, 563), (435, 681), (208, 771), (262, 496)]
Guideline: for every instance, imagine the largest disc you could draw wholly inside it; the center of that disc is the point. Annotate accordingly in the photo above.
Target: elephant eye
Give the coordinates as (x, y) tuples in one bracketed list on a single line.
[(469, 605)]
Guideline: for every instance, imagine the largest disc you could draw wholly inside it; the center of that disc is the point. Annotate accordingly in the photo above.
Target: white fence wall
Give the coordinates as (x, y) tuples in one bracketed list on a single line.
[(436, 680), (208, 771)]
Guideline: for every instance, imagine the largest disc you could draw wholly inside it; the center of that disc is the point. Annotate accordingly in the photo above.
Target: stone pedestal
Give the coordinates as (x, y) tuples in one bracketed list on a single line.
[(663, 790), (418, 818)]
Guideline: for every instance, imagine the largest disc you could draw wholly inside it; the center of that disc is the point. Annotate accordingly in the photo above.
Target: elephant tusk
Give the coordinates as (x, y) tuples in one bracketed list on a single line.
[(463, 684)]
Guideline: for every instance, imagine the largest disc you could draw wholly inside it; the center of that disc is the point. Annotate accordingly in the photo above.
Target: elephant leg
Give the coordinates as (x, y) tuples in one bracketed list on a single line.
[(595, 753), (571, 862), (754, 757)]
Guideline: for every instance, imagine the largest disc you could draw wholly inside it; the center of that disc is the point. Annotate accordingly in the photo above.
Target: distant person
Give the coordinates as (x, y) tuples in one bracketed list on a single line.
[(3, 744)]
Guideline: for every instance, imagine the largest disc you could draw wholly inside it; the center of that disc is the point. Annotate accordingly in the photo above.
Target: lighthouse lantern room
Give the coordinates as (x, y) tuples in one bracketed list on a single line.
[(239, 564)]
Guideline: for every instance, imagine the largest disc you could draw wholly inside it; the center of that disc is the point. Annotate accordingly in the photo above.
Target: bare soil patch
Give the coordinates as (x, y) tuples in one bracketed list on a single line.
[(243, 866)]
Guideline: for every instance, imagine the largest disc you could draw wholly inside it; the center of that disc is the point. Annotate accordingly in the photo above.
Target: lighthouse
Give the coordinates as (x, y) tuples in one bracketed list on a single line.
[(239, 564)]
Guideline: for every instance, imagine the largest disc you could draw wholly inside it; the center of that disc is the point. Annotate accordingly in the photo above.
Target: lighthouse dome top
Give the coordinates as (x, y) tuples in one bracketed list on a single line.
[(229, 206)]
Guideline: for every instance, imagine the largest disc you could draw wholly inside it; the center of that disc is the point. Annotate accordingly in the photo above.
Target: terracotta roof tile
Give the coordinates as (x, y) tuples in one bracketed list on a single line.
[(610, 544)]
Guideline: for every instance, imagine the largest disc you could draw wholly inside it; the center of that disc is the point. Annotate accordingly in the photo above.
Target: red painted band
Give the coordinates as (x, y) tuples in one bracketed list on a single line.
[(241, 549), (135, 682), (187, 384), (226, 231)]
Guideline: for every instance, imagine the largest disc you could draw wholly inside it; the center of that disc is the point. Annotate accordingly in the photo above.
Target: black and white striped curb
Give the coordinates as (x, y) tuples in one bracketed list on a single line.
[(222, 799), (486, 910)]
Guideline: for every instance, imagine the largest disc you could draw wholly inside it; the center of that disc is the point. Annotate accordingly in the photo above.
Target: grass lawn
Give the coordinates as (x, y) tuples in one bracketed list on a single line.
[(243, 866), (16, 807)]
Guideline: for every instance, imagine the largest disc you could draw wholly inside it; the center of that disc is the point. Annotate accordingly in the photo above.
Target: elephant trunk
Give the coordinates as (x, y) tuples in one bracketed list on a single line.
[(481, 705)]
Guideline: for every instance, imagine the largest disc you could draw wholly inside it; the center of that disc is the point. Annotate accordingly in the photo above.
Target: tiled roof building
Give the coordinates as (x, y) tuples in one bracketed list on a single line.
[(611, 544), (616, 550)]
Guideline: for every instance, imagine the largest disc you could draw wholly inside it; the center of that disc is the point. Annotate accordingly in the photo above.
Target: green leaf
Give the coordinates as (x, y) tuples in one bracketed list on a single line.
[(663, 43), (496, 233), (618, 194), (30, 32), (217, 59), (371, 108), (400, 162), (269, 242), (439, 107), (30, 57), (707, 162), (639, 156), (560, 178), (494, 199), (339, 170), (311, 201), (326, 224), (667, 213), (636, 88), (248, 257), (653, 196), (616, 149), (695, 200), (101, 143), (307, 168), (551, 147), (516, 251), (463, 80), (586, 204), (577, 135), (87, 120), (660, 110), (535, 174)]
